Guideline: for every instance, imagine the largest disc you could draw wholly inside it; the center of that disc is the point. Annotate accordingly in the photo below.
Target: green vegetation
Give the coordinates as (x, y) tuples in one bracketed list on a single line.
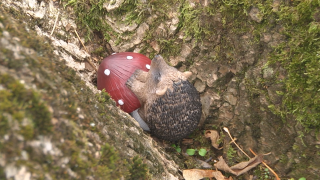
[(202, 152), (299, 55), (178, 148), (262, 173), (191, 152), (46, 111), (266, 174), (91, 17), (25, 106), (134, 11), (231, 153), (189, 21), (109, 165), (104, 97), (138, 170)]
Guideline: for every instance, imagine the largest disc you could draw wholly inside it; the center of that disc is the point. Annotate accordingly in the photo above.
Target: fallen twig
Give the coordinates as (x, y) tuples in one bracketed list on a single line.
[(55, 23), (275, 174), (89, 61), (227, 130)]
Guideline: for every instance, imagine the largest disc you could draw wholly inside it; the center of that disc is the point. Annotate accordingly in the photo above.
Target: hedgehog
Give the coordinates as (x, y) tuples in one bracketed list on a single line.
[(170, 104)]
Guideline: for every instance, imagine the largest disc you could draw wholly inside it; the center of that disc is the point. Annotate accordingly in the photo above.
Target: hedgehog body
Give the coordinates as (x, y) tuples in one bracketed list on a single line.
[(175, 114), (170, 104)]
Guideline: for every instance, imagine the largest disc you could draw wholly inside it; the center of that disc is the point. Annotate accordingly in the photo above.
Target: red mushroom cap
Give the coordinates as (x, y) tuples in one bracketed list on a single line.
[(113, 73)]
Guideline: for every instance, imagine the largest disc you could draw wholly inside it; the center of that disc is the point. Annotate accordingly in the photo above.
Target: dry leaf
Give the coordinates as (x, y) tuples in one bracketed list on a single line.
[(214, 137), (68, 27), (218, 175), (239, 168), (196, 174)]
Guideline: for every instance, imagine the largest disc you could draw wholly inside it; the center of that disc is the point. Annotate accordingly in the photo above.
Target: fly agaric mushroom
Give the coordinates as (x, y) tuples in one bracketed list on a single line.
[(113, 73)]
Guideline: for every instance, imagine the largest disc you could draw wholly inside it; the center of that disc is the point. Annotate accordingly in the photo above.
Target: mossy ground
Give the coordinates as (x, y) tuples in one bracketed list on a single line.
[(40, 102), (20, 104), (299, 55)]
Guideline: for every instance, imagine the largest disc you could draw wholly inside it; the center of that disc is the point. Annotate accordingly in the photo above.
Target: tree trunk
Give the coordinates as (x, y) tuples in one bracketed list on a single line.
[(252, 64)]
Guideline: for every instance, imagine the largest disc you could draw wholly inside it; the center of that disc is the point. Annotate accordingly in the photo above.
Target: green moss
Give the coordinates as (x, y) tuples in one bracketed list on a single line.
[(91, 17), (78, 163), (27, 131), (170, 47), (197, 21), (21, 103), (138, 170), (3, 123), (40, 114), (230, 153), (103, 97), (57, 96), (133, 11), (189, 21), (262, 173), (109, 165), (299, 55), (2, 174), (99, 51)]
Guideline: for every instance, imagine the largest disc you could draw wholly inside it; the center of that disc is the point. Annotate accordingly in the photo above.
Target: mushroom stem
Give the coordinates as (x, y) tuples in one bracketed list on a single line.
[(141, 122)]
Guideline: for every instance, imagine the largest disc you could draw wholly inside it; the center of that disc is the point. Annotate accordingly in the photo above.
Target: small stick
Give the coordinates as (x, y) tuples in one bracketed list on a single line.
[(89, 61), (55, 23), (274, 173), (227, 130)]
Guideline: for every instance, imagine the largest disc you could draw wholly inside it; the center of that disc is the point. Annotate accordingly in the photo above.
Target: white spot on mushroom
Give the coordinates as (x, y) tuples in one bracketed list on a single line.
[(129, 57), (148, 66), (107, 72), (113, 53), (120, 102)]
